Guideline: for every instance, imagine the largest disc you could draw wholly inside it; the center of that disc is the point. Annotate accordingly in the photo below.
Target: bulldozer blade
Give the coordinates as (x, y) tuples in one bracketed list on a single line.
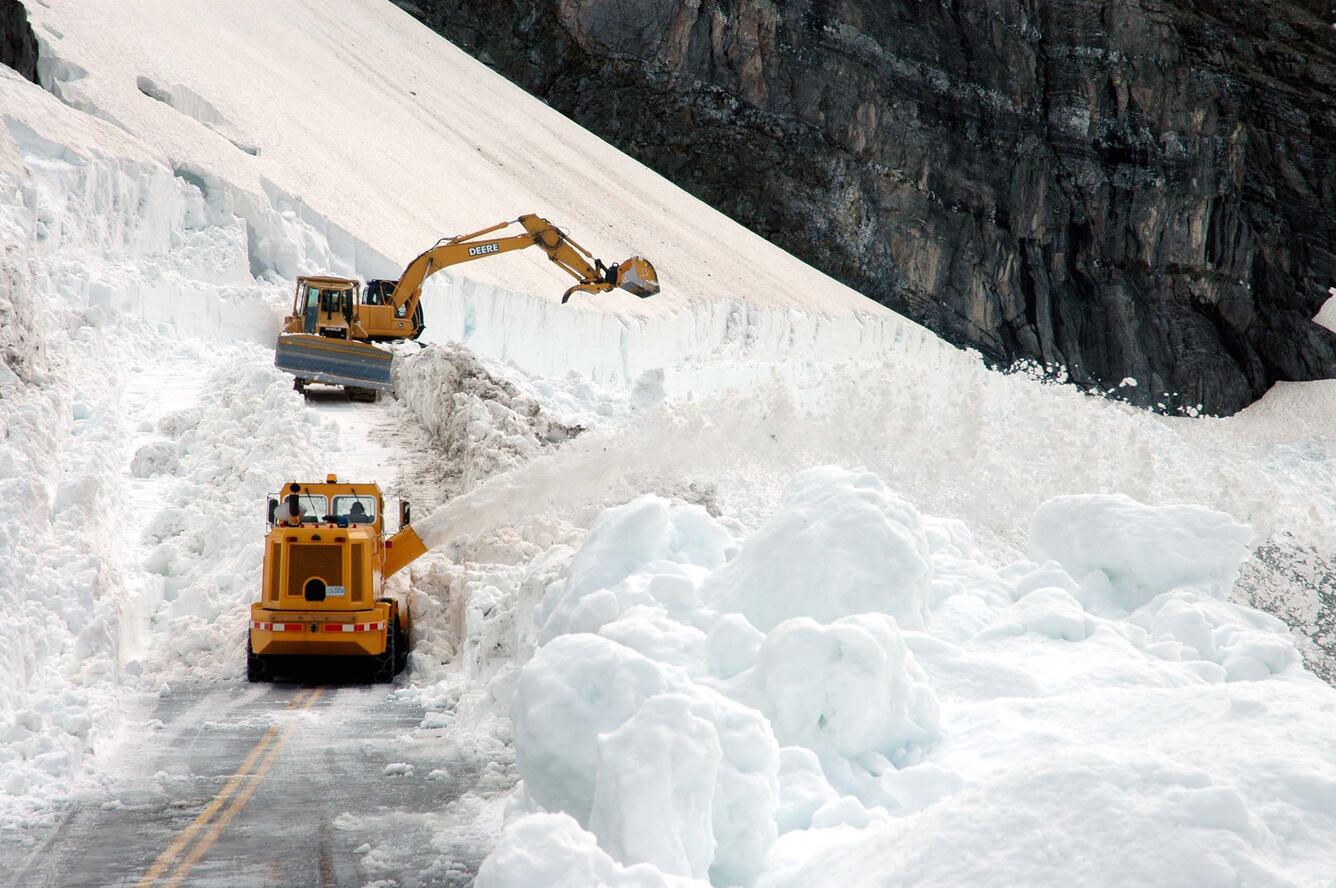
[(637, 276), (334, 361)]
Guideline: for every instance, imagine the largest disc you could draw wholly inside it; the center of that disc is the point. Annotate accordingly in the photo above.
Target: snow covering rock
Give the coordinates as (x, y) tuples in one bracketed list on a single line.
[(840, 544), (1125, 553), (553, 851), (590, 715)]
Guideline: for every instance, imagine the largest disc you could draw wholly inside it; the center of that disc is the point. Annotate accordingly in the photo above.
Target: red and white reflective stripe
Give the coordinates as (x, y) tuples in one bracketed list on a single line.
[(279, 627), (354, 627)]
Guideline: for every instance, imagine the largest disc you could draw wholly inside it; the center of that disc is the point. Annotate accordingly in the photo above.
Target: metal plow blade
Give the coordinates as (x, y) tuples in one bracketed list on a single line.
[(637, 275), (333, 361)]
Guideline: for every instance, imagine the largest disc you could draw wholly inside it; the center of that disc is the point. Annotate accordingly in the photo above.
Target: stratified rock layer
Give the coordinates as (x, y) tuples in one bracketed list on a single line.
[(1127, 188)]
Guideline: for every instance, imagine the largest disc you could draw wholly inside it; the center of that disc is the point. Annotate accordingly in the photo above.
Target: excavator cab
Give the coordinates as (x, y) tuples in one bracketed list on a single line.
[(324, 306)]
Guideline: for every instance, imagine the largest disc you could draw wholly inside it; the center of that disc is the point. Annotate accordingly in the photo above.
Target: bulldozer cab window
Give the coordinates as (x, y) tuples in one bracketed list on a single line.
[(355, 509)]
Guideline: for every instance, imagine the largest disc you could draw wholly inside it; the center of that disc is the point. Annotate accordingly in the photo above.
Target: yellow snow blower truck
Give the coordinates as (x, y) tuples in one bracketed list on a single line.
[(327, 557), (327, 337)]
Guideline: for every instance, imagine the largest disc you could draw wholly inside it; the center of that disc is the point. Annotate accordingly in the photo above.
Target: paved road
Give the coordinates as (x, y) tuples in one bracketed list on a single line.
[(249, 785)]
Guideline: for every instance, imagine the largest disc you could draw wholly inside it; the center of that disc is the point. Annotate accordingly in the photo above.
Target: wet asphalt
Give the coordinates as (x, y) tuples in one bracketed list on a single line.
[(279, 784)]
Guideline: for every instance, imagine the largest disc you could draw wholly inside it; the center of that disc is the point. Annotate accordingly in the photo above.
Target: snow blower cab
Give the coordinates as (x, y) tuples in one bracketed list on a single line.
[(327, 557)]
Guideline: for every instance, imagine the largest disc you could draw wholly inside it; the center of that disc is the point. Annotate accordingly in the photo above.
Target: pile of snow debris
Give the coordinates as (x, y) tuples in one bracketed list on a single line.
[(852, 690), (482, 424)]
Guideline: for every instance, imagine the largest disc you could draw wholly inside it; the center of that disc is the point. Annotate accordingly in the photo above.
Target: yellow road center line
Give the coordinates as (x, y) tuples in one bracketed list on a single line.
[(170, 853), (216, 829)]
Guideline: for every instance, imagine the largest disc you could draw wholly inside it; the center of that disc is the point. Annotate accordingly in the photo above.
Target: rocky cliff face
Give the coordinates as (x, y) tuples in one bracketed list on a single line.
[(18, 46), (1125, 188)]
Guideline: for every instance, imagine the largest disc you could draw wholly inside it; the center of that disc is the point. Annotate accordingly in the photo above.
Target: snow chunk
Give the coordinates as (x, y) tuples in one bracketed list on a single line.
[(851, 691), (660, 767), (590, 717), (650, 551), (155, 458), (1246, 643), (840, 544), (651, 632), (732, 646), (803, 788), (1050, 612), (575, 688), (1125, 553), (552, 850)]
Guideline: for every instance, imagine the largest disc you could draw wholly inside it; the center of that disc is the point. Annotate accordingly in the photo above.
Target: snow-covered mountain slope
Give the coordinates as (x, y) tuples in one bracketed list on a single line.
[(355, 115), (706, 658)]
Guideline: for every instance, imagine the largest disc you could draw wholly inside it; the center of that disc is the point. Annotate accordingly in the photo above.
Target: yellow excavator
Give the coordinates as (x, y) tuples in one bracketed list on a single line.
[(327, 337)]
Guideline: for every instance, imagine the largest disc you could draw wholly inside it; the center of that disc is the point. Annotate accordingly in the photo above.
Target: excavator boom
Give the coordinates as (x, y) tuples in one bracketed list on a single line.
[(635, 275)]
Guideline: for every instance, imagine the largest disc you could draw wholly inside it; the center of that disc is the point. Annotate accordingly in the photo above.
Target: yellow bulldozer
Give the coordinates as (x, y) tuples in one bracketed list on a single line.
[(326, 559), (334, 321)]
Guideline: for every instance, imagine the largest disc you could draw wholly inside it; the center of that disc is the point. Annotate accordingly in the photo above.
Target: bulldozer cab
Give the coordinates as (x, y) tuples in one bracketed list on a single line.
[(324, 306)]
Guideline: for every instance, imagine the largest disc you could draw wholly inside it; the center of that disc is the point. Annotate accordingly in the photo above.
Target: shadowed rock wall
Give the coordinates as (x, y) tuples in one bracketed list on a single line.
[(18, 46), (1127, 188)]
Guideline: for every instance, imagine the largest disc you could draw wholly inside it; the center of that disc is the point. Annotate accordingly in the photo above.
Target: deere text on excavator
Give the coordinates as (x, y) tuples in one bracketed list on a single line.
[(326, 559), (328, 337)]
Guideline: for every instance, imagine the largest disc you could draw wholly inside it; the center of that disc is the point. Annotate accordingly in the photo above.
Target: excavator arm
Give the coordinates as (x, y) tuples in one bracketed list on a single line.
[(635, 275)]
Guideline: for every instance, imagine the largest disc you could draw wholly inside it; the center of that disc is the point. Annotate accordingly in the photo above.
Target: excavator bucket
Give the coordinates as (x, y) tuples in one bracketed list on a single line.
[(637, 275), (334, 361)]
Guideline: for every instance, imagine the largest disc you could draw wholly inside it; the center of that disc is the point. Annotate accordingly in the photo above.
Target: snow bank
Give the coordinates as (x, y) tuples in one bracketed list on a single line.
[(678, 735), (1126, 553), (482, 425), (206, 541), (1128, 808)]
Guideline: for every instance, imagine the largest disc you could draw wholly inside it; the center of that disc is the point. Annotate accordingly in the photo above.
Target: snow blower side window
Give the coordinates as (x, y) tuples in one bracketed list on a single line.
[(354, 509)]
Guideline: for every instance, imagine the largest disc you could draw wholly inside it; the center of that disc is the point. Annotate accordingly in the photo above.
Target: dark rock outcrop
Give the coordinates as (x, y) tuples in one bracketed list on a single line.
[(18, 44), (1126, 188)]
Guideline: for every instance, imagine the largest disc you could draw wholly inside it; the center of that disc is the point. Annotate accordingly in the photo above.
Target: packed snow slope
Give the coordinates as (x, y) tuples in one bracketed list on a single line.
[(356, 114)]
